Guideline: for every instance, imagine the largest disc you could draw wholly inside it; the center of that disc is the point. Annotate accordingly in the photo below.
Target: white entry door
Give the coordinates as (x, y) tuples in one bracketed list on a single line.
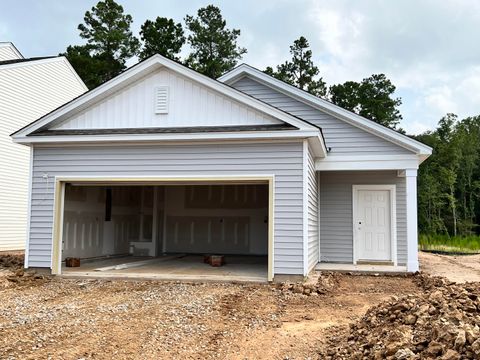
[(373, 225)]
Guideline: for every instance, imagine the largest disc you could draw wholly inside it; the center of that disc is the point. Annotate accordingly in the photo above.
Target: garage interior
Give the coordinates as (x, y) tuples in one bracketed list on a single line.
[(165, 231)]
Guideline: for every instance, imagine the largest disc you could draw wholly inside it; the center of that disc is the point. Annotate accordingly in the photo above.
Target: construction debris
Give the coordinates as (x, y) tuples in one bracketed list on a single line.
[(320, 283), (214, 260), (441, 322)]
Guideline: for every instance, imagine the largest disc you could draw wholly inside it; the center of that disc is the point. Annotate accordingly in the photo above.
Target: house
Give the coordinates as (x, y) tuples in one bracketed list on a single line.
[(164, 164), (29, 88)]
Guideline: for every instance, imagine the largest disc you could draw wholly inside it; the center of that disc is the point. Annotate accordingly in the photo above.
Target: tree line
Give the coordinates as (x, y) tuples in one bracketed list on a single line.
[(449, 181), (214, 50)]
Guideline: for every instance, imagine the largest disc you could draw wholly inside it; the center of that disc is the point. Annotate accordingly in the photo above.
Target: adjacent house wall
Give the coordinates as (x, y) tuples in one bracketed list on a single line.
[(336, 219), (341, 137), (282, 159), (27, 91), (9, 52)]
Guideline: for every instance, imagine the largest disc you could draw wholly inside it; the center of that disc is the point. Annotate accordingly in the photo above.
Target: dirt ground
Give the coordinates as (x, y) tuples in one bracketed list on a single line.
[(42, 317), (74, 319), (460, 269)]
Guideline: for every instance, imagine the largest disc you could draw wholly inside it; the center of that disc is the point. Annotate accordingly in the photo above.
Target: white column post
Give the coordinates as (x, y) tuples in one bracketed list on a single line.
[(154, 222), (412, 221)]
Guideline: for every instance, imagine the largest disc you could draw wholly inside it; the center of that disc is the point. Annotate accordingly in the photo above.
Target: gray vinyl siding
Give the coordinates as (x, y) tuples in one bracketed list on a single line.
[(284, 160), (313, 226), (340, 136), (336, 219)]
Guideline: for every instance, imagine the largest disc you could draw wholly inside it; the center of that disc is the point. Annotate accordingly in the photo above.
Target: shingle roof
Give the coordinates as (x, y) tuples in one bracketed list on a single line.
[(170, 130)]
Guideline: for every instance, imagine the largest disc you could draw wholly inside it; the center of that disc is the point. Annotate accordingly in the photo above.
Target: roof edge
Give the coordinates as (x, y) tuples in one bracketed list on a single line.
[(244, 70)]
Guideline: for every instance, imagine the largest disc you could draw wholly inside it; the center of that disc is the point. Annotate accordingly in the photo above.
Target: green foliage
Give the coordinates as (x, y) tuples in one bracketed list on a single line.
[(110, 43), (214, 48), (449, 181), (371, 98), (300, 70), (107, 31), (163, 37), (461, 244), (93, 69)]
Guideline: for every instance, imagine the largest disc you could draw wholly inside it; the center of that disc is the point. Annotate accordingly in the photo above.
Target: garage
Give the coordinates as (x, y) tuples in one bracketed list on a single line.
[(165, 229)]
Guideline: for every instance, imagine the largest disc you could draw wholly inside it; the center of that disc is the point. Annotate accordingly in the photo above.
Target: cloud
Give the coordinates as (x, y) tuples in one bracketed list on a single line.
[(440, 99), (429, 49)]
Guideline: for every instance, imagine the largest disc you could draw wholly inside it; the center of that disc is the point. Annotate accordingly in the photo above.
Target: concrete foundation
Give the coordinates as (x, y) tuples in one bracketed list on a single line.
[(174, 267)]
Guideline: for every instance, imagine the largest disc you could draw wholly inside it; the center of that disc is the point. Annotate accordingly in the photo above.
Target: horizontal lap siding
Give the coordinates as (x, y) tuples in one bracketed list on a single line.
[(27, 92), (313, 226), (341, 137), (336, 219), (284, 160)]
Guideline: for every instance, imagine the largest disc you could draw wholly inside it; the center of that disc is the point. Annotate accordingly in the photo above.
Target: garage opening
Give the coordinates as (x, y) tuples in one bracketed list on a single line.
[(166, 231)]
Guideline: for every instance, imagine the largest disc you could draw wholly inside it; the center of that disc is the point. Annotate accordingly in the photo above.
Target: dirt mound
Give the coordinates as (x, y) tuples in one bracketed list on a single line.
[(20, 277), (11, 260), (442, 322), (325, 283)]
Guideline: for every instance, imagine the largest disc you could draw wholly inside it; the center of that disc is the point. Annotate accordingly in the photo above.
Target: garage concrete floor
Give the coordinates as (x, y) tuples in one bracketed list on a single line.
[(173, 267)]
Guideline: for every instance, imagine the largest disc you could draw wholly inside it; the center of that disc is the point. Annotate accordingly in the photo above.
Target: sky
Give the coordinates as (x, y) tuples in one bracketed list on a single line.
[(429, 49)]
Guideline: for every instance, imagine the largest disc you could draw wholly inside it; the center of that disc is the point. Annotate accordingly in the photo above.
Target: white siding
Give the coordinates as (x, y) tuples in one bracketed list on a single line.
[(313, 225), (8, 52), (284, 160), (336, 219), (27, 92), (189, 104), (341, 137)]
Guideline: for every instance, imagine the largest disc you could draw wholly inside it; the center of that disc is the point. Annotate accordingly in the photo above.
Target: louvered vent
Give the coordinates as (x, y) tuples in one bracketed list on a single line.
[(161, 100)]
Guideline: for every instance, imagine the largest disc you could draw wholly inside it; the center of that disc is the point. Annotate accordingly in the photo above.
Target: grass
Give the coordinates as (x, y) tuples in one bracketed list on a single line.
[(450, 244)]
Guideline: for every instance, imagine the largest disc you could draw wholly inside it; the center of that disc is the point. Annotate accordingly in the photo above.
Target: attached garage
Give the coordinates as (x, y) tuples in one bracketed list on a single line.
[(163, 165), (164, 229)]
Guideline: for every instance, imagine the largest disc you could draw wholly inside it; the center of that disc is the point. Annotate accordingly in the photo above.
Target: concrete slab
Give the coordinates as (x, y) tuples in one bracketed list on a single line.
[(175, 268), (363, 268)]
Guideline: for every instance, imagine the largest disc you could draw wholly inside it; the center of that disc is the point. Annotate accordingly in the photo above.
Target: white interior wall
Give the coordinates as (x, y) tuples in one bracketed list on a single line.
[(85, 230), (239, 225), (229, 228)]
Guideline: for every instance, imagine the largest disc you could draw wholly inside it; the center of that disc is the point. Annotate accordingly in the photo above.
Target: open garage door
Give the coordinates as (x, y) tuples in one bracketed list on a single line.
[(165, 229)]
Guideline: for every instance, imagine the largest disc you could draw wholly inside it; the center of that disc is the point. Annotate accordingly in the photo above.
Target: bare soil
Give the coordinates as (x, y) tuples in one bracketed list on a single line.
[(72, 319), (460, 269), (57, 318)]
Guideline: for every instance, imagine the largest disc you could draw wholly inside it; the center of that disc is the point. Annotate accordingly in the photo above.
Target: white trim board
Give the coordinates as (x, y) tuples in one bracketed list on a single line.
[(29, 211), (305, 207), (366, 162), (244, 70), (393, 218)]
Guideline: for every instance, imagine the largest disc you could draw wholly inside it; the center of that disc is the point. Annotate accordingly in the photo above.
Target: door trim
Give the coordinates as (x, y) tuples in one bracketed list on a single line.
[(59, 199), (393, 218)]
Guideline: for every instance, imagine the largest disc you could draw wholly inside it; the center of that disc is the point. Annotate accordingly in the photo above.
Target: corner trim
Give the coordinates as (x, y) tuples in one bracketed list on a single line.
[(29, 210), (305, 207)]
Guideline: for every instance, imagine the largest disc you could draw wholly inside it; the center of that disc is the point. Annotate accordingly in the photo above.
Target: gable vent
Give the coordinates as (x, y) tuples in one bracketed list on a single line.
[(161, 100)]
